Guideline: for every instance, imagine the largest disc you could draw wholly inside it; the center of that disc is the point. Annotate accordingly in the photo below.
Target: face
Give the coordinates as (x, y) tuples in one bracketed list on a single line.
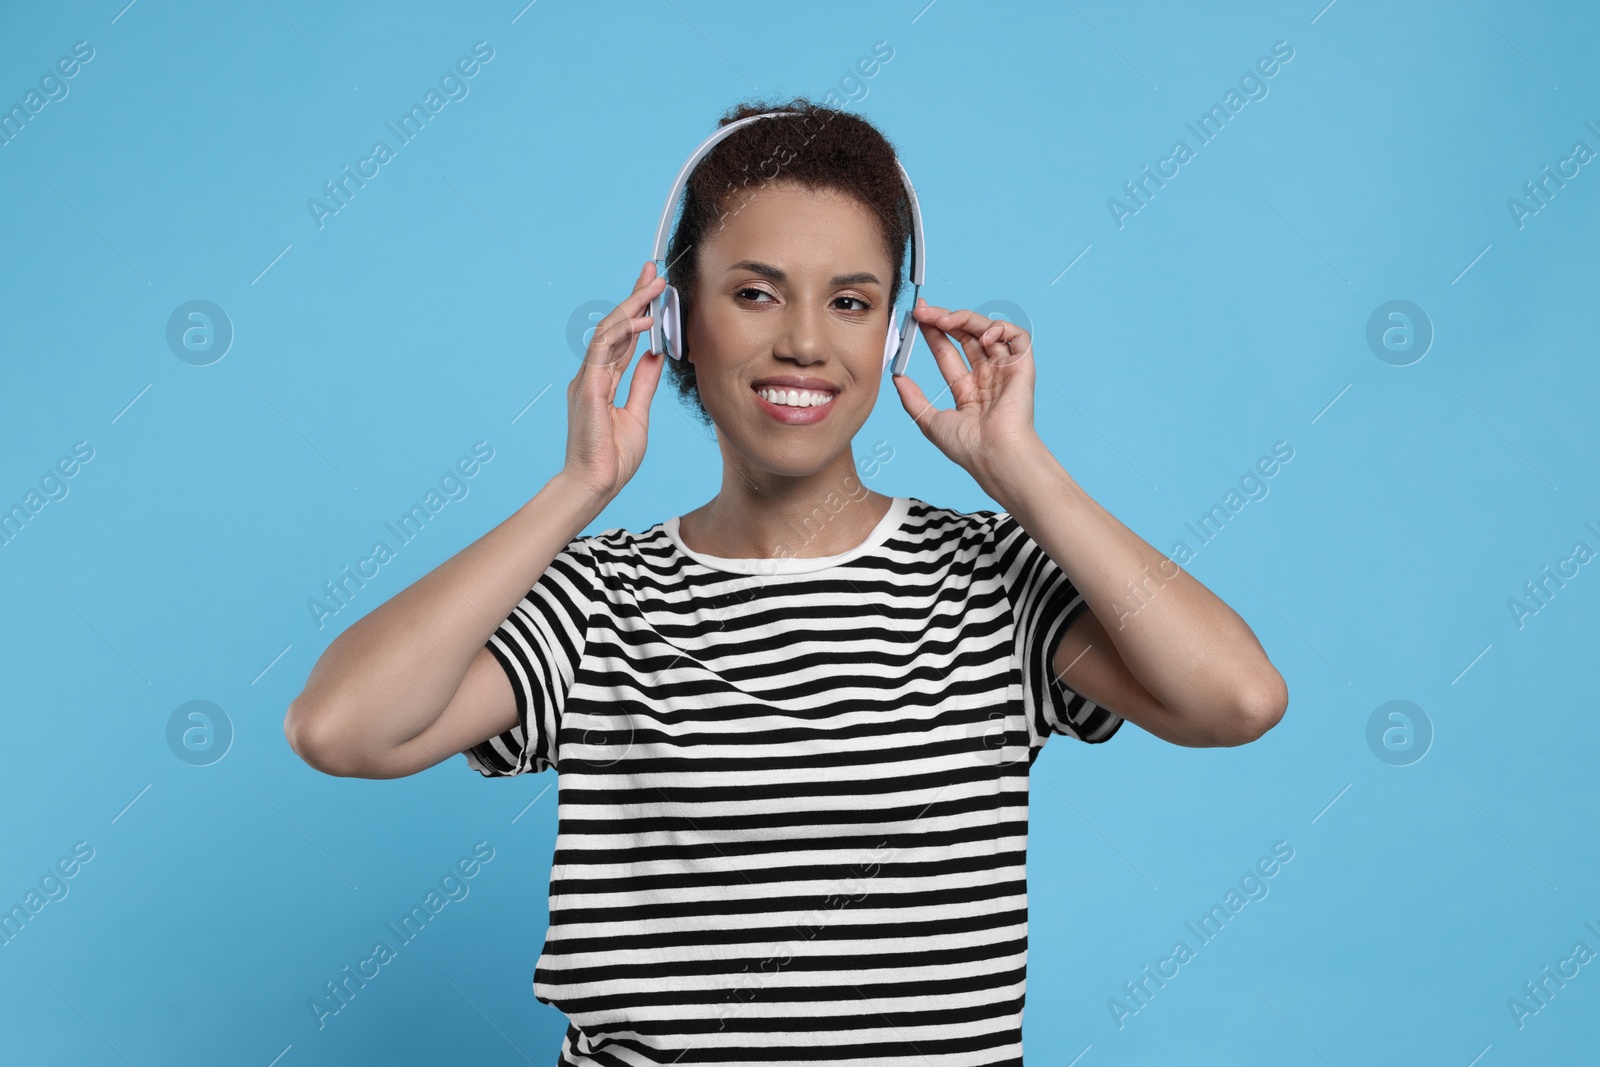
[(787, 327)]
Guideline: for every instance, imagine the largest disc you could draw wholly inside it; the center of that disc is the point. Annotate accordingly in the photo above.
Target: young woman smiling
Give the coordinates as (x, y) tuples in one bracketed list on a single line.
[(793, 780)]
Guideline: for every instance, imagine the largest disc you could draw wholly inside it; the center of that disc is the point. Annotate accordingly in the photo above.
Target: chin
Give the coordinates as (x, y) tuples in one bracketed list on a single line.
[(768, 456), (771, 453)]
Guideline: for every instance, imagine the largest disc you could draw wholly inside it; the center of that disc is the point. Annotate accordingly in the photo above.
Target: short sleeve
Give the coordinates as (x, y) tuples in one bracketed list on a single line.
[(1044, 602), (539, 646)]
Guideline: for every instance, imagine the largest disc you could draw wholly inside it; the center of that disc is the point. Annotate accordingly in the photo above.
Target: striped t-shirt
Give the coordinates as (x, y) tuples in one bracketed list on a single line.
[(793, 792)]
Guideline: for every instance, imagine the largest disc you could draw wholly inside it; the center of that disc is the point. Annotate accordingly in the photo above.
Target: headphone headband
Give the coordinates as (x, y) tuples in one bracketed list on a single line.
[(900, 344), (721, 134)]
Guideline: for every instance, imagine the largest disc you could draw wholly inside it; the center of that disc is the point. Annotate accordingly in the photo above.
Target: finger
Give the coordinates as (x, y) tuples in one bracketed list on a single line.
[(995, 347), (648, 278), (1006, 341), (616, 328), (966, 320), (614, 338), (646, 288), (967, 326), (642, 387), (976, 353), (955, 371), (639, 301), (944, 316), (917, 405), (964, 326), (607, 358)]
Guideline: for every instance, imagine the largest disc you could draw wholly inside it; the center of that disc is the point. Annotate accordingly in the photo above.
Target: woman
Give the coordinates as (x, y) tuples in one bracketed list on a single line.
[(792, 727)]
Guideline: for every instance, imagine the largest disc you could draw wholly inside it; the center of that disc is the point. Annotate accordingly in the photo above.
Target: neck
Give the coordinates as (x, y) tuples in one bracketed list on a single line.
[(762, 515)]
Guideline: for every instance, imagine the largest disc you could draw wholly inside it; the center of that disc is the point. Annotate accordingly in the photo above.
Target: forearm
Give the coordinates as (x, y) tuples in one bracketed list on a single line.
[(1184, 645), (388, 676)]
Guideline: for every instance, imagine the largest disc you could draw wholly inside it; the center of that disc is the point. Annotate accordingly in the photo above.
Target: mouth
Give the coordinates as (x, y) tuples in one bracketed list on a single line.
[(795, 402)]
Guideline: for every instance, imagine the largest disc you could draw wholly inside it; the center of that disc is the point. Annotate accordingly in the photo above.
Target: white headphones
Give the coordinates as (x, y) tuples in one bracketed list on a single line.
[(666, 327)]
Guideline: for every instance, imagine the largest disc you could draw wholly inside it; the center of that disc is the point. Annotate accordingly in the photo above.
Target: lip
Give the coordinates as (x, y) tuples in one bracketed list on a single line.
[(794, 381), (795, 416)]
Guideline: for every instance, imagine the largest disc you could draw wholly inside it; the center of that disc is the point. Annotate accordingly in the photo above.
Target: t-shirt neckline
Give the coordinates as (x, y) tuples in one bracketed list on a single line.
[(892, 520)]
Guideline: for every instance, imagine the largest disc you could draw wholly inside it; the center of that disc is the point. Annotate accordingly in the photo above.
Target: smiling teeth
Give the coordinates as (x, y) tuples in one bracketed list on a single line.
[(794, 398)]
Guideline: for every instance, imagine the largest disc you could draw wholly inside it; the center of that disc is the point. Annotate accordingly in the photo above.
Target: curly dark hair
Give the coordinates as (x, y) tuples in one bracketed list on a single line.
[(819, 148)]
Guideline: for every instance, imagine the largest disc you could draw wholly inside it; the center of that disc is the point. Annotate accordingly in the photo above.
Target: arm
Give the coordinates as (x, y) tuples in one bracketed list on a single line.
[(412, 683), (1185, 667), (1176, 661)]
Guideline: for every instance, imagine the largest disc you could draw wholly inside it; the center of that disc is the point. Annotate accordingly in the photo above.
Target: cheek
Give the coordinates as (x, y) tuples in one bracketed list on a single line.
[(709, 356), (740, 334), (872, 350), (719, 342), (866, 363), (721, 339)]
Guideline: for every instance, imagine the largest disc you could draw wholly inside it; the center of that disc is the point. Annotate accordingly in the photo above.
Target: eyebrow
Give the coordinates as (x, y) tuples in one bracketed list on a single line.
[(769, 271)]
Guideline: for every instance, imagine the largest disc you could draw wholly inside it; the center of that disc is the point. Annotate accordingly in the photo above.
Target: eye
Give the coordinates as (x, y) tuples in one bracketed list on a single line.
[(750, 289), (864, 305)]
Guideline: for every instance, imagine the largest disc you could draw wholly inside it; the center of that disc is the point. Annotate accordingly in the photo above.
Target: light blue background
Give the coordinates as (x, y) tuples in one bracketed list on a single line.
[(1228, 314)]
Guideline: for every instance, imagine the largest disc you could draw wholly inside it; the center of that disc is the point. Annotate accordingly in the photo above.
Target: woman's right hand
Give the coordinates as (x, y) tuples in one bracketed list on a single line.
[(606, 443)]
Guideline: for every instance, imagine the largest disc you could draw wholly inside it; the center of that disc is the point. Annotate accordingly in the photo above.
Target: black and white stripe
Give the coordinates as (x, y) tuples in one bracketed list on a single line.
[(793, 793)]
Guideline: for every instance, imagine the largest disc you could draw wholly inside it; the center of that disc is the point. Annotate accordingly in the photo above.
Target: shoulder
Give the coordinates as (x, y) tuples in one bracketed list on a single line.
[(935, 525), (617, 551), (617, 539), (986, 534)]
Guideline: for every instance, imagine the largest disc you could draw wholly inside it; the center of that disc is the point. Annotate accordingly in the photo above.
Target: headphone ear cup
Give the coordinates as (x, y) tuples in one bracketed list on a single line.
[(671, 323), (891, 343), (897, 346)]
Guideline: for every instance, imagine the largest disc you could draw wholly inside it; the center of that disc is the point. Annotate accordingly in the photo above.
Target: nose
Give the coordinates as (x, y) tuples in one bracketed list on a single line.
[(804, 334)]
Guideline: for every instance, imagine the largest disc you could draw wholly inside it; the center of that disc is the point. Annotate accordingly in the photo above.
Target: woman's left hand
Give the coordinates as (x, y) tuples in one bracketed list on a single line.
[(992, 421)]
